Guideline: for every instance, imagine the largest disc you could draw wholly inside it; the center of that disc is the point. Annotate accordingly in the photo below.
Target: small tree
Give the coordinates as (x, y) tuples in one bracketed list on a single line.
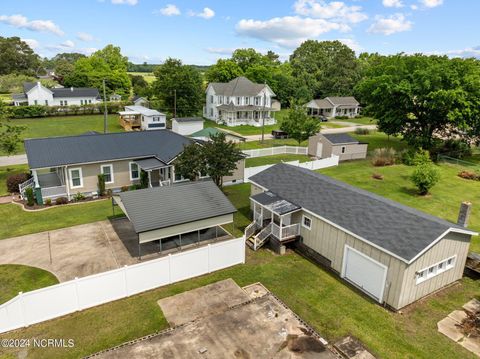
[(10, 135), (101, 184), (425, 176), (191, 162), (143, 179), (30, 196), (298, 124)]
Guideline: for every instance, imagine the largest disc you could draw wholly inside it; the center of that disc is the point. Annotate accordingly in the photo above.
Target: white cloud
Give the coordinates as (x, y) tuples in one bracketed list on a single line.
[(414, 7), (21, 22), (84, 36), (221, 50), (288, 31), (351, 43), (392, 3), (431, 3), (334, 10), (126, 2), (464, 53), (390, 25), (34, 44), (206, 13), (168, 10), (68, 43)]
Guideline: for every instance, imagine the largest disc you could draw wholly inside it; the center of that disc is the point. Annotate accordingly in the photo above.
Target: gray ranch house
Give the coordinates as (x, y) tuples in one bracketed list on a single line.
[(393, 253), (333, 107), (239, 102), (341, 144), (65, 166)]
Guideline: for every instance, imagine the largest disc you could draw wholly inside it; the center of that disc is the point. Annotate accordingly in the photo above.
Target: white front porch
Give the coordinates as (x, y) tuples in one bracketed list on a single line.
[(249, 118)]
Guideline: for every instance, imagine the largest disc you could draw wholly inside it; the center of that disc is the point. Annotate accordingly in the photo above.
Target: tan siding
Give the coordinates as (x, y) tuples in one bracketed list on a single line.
[(238, 174), (352, 151)]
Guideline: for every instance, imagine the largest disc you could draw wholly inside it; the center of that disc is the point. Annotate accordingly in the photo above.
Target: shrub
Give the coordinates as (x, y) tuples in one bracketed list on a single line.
[(342, 117), (48, 202), (125, 188), (109, 192), (377, 176), (61, 200), (383, 157), (362, 131), (78, 197), (143, 179), (30, 196), (469, 175), (14, 180), (358, 116), (134, 187), (421, 157), (424, 177), (101, 184)]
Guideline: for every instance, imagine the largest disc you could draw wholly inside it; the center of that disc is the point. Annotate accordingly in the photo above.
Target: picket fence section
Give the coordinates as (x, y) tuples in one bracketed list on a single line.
[(81, 293), (280, 150)]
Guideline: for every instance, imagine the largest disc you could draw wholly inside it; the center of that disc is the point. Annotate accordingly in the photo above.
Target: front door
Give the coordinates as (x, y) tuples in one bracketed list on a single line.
[(319, 149)]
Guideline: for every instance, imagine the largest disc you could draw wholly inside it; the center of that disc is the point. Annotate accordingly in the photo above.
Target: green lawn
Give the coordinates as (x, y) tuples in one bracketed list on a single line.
[(359, 120), (5, 97), (64, 126), (8, 171), (252, 145), (17, 222), (16, 278), (379, 139), (267, 160), (443, 202), (148, 76)]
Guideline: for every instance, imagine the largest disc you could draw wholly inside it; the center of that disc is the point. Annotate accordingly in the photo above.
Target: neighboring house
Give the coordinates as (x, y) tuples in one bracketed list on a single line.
[(340, 144), (393, 253), (115, 97), (36, 94), (65, 166), (140, 101), (239, 102), (333, 107), (49, 75), (187, 125), (276, 105), (206, 133), (142, 118)]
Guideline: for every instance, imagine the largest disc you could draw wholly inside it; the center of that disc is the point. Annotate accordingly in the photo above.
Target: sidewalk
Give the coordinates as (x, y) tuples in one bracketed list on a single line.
[(13, 160)]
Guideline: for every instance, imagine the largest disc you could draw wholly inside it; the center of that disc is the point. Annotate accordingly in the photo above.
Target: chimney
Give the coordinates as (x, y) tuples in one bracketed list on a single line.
[(464, 214)]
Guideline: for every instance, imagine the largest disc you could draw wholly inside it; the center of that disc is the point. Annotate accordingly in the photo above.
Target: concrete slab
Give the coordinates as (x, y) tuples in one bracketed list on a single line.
[(447, 326), (472, 306), (472, 344), (204, 301), (263, 328), (255, 290), (458, 315), (352, 348)]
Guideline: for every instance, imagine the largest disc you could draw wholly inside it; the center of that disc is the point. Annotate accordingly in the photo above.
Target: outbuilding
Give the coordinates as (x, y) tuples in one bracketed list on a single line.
[(393, 253), (183, 212), (142, 118), (339, 144), (187, 125)]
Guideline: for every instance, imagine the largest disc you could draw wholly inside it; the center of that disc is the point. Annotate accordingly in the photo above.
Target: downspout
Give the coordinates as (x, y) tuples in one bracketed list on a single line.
[(67, 182)]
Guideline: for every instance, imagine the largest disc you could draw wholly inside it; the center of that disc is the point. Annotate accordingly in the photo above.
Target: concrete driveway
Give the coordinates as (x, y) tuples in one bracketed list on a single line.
[(72, 252), (13, 160)]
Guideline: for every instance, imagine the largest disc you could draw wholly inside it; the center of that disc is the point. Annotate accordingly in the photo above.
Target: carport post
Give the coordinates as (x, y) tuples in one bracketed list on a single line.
[(180, 236), (216, 233), (160, 245), (139, 250), (113, 207), (198, 237)]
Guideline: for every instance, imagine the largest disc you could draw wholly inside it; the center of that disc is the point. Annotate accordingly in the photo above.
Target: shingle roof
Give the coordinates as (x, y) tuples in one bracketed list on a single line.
[(348, 100), (240, 86), (27, 86), (59, 151), (322, 103), (339, 138), (396, 228), (161, 207), (19, 97)]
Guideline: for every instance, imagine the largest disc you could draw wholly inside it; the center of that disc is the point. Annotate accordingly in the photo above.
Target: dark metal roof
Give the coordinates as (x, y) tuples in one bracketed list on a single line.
[(59, 151), (396, 228), (160, 207), (19, 97), (27, 86), (188, 119), (275, 203), (339, 138), (75, 92), (151, 163)]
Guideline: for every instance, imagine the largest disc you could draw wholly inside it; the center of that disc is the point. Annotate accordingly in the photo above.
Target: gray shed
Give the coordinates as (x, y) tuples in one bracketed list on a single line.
[(340, 144)]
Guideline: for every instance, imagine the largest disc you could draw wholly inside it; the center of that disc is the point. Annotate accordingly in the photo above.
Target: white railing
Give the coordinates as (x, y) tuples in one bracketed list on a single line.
[(259, 221), (262, 236), (30, 183), (311, 165), (250, 230), (285, 232), (280, 150), (78, 294), (164, 183)]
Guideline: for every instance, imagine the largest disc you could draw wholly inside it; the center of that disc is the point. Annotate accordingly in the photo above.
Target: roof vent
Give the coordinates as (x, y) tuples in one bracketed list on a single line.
[(464, 214)]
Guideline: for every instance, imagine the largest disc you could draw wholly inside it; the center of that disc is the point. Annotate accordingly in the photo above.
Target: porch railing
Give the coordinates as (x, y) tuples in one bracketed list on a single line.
[(250, 230), (30, 183), (285, 232), (262, 236), (165, 183)]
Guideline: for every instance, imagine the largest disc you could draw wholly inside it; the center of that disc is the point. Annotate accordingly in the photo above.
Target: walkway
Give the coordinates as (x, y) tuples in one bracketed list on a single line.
[(13, 160)]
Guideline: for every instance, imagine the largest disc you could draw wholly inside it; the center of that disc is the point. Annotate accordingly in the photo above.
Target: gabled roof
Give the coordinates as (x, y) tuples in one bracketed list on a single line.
[(397, 229), (322, 103), (188, 119), (160, 207), (240, 86), (27, 86), (143, 110), (59, 151), (67, 92), (135, 98), (339, 138), (348, 101)]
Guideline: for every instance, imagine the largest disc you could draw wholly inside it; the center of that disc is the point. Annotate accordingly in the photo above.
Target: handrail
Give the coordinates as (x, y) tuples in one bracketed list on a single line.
[(30, 183), (250, 229), (262, 235)]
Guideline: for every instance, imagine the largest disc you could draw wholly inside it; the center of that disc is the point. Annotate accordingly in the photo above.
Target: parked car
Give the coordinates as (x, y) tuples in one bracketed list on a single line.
[(322, 118), (278, 134)]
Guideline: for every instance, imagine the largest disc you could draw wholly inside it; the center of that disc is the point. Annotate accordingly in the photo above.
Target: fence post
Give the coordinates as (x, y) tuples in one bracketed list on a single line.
[(76, 294), (125, 270), (208, 258), (169, 268), (244, 248)]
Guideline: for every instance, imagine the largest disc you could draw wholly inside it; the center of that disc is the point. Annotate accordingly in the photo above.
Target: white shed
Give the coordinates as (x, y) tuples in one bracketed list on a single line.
[(149, 119), (187, 125)]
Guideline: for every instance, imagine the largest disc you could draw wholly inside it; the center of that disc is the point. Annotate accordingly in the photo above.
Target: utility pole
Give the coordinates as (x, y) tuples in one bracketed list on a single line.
[(104, 108), (174, 103), (263, 113)]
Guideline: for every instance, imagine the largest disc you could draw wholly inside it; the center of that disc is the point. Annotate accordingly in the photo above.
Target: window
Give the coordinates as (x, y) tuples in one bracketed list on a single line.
[(257, 101), (35, 102), (134, 171), (434, 270), (220, 100), (344, 148), (156, 119), (76, 180), (238, 100), (306, 222), (90, 101), (211, 112), (81, 102), (107, 171), (65, 102), (247, 100), (61, 103), (211, 98), (46, 102)]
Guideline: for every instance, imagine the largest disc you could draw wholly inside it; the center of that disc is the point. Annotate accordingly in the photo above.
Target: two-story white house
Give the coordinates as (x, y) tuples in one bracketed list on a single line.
[(239, 102), (34, 93)]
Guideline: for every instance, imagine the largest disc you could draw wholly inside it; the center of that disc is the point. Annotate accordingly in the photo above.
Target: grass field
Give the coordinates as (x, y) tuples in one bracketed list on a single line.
[(359, 120), (7, 171), (267, 160), (148, 76), (327, 303), (64, 126), (380, 140), (6, 97), (252, 145), (16, 278)]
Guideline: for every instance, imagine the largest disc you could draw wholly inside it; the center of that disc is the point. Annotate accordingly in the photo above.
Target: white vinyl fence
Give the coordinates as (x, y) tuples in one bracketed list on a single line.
[(311, 165), (280, 150), (81, 293)]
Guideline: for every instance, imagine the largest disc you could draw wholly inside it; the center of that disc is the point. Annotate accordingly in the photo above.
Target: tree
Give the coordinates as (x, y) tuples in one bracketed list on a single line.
[(423, 98), (425, 176), (223, 71), (16, 56), (172, 77), (298, 124), (328, 68), (140, 85), (10, 135), (216, 158)]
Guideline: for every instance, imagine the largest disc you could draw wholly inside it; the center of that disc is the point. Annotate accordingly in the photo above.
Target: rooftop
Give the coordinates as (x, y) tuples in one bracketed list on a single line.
[(339, 138), (240, 86)]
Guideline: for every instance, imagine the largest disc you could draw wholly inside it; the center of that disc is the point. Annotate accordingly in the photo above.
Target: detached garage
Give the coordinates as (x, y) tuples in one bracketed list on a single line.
[(393, 253)]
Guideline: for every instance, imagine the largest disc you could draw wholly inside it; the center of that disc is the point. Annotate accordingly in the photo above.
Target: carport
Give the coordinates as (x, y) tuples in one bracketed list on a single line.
[(182, 214)]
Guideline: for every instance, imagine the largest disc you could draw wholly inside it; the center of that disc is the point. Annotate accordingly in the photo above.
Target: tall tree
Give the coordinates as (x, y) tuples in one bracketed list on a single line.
[(298, 124), (424, 98), (172, 77), (223, 71), (140, 85), (328, 68), (16, 56), (10, 135)]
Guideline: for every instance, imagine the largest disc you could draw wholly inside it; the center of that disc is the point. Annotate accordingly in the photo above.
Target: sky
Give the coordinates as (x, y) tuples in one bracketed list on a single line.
[(201, 31)]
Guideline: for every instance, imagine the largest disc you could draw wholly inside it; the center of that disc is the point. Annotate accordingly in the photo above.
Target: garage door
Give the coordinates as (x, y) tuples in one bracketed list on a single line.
[(365, 272)]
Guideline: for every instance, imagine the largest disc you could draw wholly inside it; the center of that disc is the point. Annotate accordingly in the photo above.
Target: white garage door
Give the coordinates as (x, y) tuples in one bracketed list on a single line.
[(364, 272)]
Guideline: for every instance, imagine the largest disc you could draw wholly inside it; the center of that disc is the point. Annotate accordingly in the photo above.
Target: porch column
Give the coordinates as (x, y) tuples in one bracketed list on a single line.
[(281, 224), (35, 178), (149, 178)]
